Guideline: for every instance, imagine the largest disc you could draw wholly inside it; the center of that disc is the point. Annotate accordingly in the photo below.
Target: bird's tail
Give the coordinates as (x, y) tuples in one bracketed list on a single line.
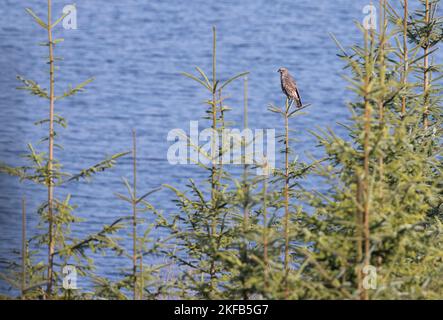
[(299, 103)]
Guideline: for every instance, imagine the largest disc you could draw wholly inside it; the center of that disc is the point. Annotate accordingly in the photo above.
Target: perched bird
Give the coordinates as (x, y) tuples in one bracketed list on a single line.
[(289, 87)]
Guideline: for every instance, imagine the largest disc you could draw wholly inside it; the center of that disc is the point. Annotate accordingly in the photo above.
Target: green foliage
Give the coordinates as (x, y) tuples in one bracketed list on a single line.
[(402, 193), (56, 214), (377, 204)]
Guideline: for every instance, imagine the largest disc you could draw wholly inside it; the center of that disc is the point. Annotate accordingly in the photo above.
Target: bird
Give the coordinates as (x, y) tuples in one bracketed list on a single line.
[(289, 87)]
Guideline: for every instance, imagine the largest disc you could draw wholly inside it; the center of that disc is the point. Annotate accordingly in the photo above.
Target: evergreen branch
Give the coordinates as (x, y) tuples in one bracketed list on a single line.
[(33, 87), (36, 18), (72, 91), (99, 167), (233, 78), (99, 237), (190, 76)]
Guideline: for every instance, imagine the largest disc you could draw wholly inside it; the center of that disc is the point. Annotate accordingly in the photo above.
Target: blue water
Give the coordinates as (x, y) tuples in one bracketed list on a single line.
[(136, 49)]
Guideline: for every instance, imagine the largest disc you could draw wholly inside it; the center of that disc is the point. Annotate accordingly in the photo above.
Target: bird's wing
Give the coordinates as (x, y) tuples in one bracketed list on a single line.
[(292, 87), (294, 91), (298, 97)]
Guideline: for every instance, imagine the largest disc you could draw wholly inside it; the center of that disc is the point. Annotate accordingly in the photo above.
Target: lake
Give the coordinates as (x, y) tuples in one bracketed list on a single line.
[(136, 50)]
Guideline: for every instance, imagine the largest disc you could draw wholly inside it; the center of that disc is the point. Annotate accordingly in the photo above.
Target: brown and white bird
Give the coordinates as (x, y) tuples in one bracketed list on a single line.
[(289, 87)]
